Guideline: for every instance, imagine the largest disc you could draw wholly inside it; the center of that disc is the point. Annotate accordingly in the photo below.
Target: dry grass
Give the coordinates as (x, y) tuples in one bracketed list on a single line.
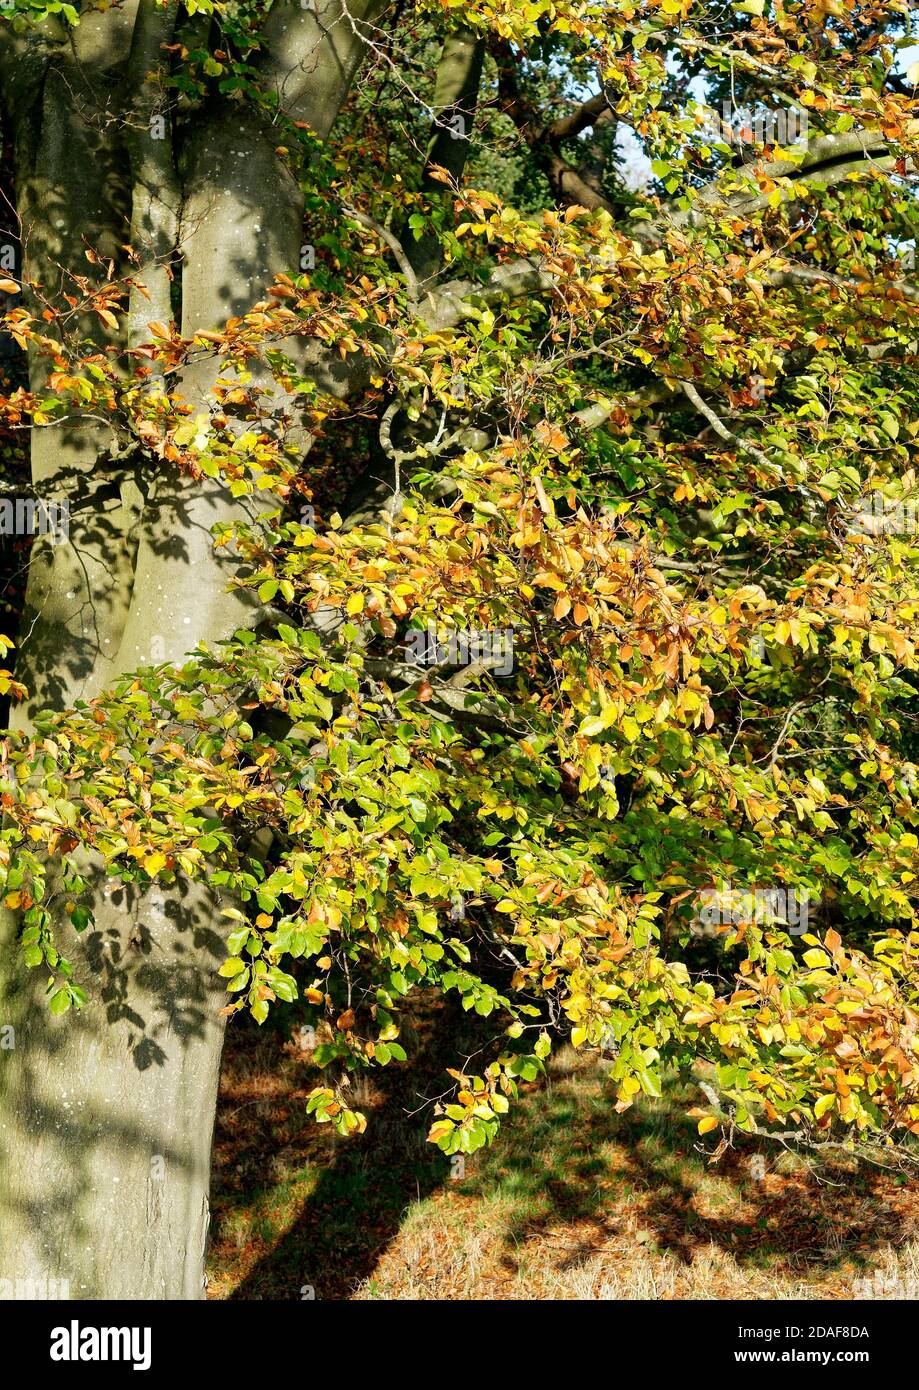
[(572, 1201)]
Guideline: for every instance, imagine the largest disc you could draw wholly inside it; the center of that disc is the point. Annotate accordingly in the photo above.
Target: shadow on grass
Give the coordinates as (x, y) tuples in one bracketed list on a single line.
[(569, 1161), (566, 1175), (340, 1201)]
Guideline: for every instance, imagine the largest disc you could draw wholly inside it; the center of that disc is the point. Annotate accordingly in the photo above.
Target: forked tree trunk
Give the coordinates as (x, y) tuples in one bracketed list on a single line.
[(106, 1115)]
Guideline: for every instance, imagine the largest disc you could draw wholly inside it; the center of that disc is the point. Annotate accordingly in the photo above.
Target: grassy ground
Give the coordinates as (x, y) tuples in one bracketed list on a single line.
[(572, 1201)]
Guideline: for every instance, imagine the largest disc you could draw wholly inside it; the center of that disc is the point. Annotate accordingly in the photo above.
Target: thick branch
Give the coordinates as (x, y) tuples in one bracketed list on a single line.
[(155, 195), (545, 139), (586, 115), (456, 94), (829, 160), (310, 56), (792, 274), (458, 299)]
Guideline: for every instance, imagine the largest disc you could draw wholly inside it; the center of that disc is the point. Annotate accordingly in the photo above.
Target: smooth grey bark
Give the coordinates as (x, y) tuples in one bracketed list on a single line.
[(156, 194), (69, 180), (455, 99), (106, 1116)]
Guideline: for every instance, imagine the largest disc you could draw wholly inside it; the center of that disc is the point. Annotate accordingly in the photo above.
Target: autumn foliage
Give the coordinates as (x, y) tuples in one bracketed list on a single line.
[(641, 435)]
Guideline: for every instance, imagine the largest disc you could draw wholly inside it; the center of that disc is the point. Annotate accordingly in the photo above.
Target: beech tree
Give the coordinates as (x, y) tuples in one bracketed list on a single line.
[(485, 571)]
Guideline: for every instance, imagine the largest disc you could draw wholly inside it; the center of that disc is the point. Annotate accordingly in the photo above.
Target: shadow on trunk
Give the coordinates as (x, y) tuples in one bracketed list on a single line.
[(106, 1115)]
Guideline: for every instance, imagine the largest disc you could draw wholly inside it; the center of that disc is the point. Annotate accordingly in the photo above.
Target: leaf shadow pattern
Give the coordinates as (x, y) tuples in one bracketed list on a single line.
[(339, 1224), (107, 1108), (604, 1181), (566, 1180)]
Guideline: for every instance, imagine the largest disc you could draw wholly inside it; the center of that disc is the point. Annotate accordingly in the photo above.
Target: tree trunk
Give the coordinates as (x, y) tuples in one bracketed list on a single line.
[(106, 1115)]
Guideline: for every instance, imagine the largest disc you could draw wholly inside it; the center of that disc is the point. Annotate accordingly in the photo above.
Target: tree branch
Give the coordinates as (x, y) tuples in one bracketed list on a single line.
[(456, 95), (156, 196), (394, 244), (829, 160), (458, 299), (813, 275), (722, 431), (545, 139)]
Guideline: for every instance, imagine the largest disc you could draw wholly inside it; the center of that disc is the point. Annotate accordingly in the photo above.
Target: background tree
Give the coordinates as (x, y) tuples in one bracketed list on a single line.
[(659, 442)]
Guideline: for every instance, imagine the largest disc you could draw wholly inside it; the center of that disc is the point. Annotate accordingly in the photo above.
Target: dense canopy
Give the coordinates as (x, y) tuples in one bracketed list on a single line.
[(562, 489)]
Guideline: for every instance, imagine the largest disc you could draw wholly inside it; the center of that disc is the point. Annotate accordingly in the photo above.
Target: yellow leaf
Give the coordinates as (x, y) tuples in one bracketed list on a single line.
[(816, 960), (699, 1017)]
